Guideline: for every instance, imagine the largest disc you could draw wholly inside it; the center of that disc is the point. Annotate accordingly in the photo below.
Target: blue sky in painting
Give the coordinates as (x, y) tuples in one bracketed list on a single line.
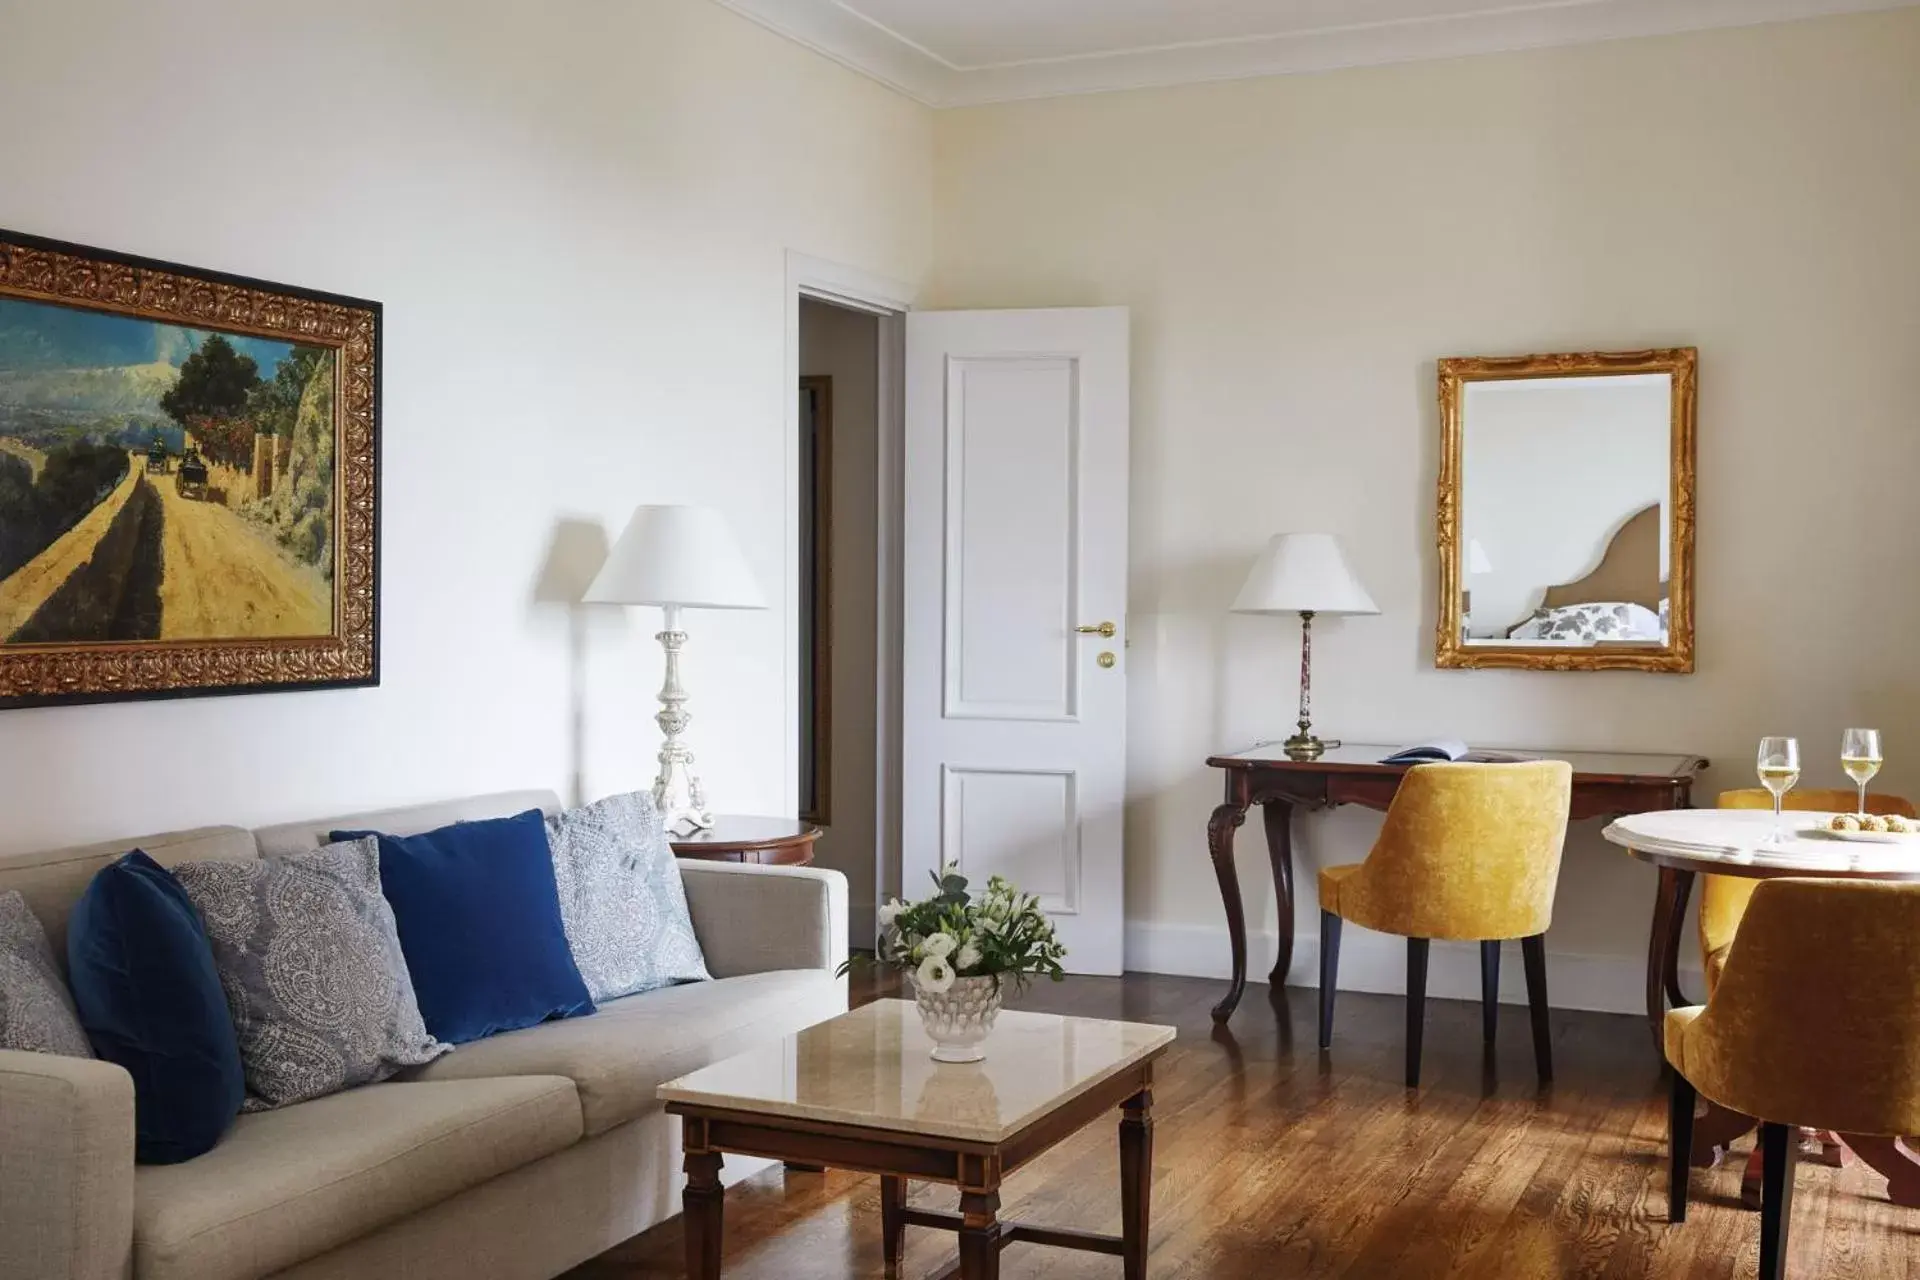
[(37, 336)]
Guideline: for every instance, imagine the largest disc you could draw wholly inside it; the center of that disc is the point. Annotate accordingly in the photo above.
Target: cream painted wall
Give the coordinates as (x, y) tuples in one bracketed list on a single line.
[(845, 346), (1298, 251), (577, 217)]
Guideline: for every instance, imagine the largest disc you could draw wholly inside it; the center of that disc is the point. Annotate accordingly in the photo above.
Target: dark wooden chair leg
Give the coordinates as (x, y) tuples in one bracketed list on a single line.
[(1329, 973), (1416, 1005), (1489, 990), (893, 1226), (1780, 1144), (1533, 951), (1679, 1145)]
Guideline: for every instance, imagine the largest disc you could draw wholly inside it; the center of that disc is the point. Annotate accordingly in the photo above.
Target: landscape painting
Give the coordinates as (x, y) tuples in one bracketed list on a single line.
[(186, 480)]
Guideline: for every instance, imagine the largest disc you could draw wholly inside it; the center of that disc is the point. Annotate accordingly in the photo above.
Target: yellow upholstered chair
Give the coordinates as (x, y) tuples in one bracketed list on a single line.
[(1815, 1022), (1723, 899), (1469, 853)]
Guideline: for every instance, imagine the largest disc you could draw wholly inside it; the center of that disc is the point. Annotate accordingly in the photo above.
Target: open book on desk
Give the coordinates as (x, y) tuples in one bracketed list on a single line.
[(1448, 749)]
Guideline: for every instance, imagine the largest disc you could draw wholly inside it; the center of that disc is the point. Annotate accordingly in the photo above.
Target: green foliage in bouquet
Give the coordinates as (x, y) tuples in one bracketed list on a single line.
[(1003, 935)]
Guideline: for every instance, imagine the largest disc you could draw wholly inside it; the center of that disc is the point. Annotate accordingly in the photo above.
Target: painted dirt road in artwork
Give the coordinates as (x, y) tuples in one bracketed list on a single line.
[(217, 576), (155, 485), (221, 577)]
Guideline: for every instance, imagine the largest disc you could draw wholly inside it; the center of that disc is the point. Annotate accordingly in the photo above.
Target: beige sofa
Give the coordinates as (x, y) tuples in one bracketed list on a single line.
[(514, 1158)]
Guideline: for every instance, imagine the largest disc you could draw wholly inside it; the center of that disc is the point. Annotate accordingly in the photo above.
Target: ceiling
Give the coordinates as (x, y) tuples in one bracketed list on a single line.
[(957, 52)]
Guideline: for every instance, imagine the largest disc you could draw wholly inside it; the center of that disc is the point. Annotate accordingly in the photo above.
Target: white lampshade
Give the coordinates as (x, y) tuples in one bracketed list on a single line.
[(674, 555), (1303, 573), (1477, 561)]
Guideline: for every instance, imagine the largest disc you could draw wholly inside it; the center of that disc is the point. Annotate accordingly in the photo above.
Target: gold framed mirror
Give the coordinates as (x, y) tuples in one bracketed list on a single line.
[(1566, 511)]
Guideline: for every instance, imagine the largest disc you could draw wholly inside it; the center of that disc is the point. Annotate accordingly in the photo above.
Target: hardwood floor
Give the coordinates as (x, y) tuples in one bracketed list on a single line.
[(1273, 1161)]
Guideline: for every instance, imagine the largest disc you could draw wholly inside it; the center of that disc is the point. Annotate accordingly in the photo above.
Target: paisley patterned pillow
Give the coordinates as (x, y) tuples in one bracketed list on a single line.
[(311, 964), (621, 899), (36, 1010)]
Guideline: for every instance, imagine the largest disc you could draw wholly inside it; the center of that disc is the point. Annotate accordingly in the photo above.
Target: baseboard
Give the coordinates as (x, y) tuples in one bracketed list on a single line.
[(1378, 963)]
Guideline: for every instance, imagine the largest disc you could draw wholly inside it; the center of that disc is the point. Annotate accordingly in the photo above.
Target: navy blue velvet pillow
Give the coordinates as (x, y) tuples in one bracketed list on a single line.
[(479, 921), (148, 994)]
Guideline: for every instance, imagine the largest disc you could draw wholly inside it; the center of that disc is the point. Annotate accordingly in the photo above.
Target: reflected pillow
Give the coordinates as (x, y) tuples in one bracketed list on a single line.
[(1589, 623)]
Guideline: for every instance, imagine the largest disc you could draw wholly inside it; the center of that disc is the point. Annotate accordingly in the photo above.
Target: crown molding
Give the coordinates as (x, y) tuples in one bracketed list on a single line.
[(837, 32)]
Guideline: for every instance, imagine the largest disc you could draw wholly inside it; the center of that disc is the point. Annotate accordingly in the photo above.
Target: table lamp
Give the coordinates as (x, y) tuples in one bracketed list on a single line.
[(678, 558), (1307, 574)]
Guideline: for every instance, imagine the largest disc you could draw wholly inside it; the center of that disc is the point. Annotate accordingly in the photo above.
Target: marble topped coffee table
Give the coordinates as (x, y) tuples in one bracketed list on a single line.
[(860, 1092)]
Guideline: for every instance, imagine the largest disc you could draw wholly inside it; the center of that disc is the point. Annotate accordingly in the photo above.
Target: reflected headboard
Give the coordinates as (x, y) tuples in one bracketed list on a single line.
[(1629, 569)]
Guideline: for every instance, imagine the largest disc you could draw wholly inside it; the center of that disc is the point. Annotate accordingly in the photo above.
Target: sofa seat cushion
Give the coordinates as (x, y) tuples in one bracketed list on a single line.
[(288, 1185), (619, 1056)]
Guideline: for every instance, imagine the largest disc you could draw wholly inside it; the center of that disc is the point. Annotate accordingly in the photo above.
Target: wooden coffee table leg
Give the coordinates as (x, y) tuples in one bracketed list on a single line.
[(1136, 1182), (980, 1235), (893, 1225), (702, 1201)]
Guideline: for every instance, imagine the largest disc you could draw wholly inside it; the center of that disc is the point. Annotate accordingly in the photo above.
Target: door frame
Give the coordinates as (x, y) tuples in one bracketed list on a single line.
[(890, 300)]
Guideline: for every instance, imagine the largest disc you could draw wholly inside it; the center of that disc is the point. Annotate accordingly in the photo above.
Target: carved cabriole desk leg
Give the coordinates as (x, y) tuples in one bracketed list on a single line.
[(1220, 828), (1897, 1159), (1276, 814)]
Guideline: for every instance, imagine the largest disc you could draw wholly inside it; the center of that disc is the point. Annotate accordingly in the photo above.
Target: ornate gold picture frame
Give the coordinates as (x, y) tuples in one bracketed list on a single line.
[(1661, 532), (189, 480)]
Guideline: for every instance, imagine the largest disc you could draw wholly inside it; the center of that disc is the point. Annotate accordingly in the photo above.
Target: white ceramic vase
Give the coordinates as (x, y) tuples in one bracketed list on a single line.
[(960, 1018)]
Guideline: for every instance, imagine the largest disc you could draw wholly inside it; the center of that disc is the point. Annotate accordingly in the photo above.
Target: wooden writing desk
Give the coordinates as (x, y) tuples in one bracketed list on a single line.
[(1605, 784)]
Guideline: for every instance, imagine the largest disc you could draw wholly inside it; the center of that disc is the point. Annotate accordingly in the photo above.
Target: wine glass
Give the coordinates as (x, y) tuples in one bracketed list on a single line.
[(1779, 767), (1860, 757)]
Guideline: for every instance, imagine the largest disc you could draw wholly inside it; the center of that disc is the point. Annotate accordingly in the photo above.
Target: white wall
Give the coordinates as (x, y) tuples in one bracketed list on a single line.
[(1298, 252), (845, 346), (1551, 469), (577, 217)]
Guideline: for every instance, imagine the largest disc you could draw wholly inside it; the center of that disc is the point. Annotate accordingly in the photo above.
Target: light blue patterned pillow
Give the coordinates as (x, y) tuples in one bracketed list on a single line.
[(310, 960), (36, 1012), (621, 899)]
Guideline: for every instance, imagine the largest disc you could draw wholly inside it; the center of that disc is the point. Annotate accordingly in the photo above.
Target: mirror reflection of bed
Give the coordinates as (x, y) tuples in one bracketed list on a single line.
[(1564, 511), (1566, 484), (1623, 600)]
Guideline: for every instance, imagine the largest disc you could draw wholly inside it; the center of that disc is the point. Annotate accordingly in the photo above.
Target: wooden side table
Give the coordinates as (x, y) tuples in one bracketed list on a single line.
[(780, 842)]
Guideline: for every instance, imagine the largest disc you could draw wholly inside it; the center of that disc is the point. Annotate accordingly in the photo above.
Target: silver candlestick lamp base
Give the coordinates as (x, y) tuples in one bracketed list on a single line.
[(676, 791)]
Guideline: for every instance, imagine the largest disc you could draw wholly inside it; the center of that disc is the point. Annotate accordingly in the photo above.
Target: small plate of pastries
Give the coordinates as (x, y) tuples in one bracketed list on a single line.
[(1872, 828)]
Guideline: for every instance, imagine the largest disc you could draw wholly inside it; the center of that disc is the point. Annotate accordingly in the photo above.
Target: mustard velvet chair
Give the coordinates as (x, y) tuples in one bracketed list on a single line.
[(1723, 899), (1815, 1023), (1468, 853)]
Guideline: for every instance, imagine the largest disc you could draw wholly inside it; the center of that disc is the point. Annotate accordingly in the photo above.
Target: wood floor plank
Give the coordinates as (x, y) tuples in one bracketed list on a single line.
[(1274, 1161)]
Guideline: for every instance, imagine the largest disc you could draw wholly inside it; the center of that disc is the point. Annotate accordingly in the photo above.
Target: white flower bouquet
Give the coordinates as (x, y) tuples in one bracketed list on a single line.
[(1002, 935), (961, 952)]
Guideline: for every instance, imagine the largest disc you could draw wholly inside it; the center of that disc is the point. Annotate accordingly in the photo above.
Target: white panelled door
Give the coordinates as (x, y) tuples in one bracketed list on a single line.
[(1014, 705)]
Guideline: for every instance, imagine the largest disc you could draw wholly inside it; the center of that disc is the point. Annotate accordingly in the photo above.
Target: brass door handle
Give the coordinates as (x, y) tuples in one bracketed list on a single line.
[(1106, 629)]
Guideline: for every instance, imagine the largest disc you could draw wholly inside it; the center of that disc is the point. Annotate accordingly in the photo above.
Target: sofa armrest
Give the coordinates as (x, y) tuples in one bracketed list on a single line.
[(66, 1167), (754, 919)]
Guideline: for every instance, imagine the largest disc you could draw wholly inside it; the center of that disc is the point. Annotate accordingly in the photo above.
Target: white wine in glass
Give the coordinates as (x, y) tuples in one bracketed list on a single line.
[(1778, 765), (1860, 757)]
